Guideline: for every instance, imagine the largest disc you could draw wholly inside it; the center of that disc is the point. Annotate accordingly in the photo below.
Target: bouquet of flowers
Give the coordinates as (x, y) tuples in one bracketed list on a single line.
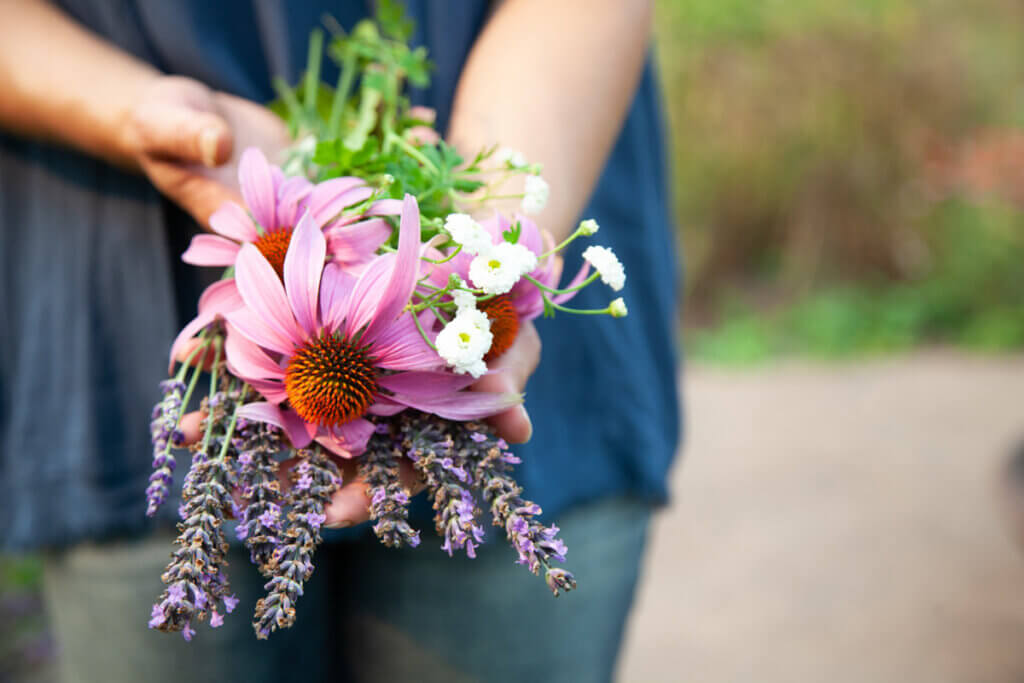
[(362, 296)]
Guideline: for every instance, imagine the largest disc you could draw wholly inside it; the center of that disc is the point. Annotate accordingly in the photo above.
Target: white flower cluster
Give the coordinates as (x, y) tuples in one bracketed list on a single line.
[(512, 157), (608, 266), (535, 194), (467, 232), (498, 269), (465, 341)]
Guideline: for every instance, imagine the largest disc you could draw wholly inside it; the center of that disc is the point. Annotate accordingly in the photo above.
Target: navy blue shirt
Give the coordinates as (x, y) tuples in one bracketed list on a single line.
[(94, 291)]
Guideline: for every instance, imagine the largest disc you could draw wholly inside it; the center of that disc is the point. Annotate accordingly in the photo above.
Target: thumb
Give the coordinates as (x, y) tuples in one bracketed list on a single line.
[(183, 134)]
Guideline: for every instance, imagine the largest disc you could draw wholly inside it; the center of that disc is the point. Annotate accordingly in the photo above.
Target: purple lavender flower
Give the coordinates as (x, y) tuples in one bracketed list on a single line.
[(291, 565), (164, 433), (389, 500), (260, 522)]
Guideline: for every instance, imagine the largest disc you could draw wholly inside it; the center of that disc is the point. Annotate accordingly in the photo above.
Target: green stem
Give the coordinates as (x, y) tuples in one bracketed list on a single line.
[(447, 259), (569, 240), (316, 49), (412, 151), (214, 371), (549, 290), (577, 311), (348, 75), (231, 426), (423, 333)]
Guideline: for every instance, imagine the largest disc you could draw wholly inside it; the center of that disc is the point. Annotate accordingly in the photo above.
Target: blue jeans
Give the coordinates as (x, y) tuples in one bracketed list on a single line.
[(369, 613)]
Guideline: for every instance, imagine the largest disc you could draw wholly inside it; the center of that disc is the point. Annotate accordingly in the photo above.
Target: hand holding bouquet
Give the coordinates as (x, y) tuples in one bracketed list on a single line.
[(366, 288)]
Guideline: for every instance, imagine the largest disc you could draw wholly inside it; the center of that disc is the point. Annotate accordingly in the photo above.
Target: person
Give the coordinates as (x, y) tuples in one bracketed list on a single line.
[(122, 125)]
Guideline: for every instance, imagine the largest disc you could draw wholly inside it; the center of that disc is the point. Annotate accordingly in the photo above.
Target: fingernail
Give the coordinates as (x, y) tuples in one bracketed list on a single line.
[(529, 423), (340, 524), (208, 140)]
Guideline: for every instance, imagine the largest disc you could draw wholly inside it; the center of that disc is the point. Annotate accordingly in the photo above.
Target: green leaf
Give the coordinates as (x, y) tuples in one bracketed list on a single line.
[(512, 234)]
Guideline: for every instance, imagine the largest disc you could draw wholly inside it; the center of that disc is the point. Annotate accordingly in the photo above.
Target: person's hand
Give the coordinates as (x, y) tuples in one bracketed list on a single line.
[(187, 140)]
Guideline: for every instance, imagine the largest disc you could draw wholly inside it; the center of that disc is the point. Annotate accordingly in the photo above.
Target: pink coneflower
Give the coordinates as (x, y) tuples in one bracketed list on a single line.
[(275, 203), (328, 348), (215, 302), (524, 301)]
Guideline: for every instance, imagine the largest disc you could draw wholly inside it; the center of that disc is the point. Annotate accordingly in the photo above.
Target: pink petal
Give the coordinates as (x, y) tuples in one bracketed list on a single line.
[(357, 242), (190, 330), (262, 292), (425, 384), (400, 346), (247, 360), (231, 221), (210, 250), (290, 196), (347, 439), (298, 431), (272, 390), (529, 235), (248, 323), (258, 189), (385, 407), (335, 288), (464, 405), (221, 297), (303, 265), (385, 207), (403, 273), (366, 292), (331, 196)]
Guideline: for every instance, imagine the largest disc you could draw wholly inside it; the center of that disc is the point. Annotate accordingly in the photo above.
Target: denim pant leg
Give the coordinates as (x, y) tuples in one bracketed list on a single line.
[(418, 615), (99, 597)]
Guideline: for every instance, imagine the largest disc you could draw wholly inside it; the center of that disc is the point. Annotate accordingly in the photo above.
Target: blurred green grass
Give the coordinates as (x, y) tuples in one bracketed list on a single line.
[(832, 194)]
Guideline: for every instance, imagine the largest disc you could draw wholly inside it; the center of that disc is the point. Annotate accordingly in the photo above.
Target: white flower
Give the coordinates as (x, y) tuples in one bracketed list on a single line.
[(617, 308), (535, 194), (512, 157), (463, 300), (465, 341), (467, 232), (589, 227), (497, 270), (608, 266)]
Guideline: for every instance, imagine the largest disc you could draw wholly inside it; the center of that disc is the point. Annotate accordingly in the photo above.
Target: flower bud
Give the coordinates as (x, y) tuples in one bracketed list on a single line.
[(617, 308), (588, 227)]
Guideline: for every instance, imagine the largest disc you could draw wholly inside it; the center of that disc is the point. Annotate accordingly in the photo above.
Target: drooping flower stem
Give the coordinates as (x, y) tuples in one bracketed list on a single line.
[(165, 432), (260, 523), (314, 480), (389, 499)]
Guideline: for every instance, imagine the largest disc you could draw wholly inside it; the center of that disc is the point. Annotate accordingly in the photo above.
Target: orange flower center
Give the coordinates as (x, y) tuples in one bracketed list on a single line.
[(274, 245), (330, 380), (504, 324)]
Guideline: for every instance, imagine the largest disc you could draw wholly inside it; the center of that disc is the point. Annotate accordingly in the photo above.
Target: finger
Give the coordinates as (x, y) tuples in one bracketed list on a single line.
[(191, 425), (351, 504), (513, 369), (183, 134), (203, 358), (189, 188)]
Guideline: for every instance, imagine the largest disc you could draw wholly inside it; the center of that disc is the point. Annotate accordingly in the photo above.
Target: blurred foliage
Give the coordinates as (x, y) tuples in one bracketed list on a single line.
[(829, 189)]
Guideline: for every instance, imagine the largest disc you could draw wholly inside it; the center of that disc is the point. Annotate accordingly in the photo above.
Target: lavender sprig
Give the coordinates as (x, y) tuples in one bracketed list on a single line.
[(260, 521), (389, 500), (433, 455), (195, 581), (164, 431), (536, 544), (314, 480)]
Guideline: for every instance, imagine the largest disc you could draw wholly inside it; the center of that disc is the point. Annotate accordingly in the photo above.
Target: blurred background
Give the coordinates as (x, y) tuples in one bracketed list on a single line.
[(849, 186)]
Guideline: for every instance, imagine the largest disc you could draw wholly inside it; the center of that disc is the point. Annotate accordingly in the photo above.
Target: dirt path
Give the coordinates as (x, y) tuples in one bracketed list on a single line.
[(836, 523)]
